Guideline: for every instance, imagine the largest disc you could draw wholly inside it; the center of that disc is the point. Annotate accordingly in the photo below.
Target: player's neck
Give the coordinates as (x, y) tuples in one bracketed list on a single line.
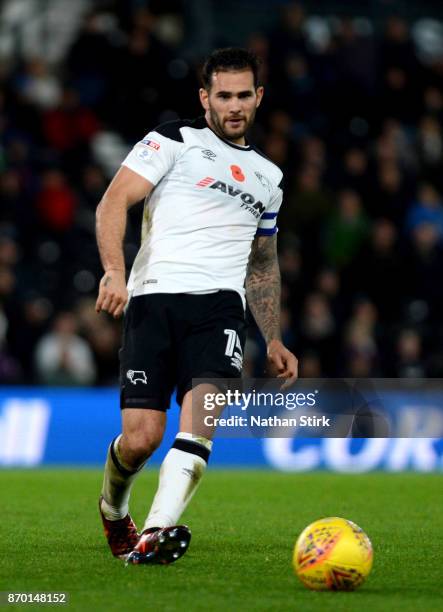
[(237, 141)]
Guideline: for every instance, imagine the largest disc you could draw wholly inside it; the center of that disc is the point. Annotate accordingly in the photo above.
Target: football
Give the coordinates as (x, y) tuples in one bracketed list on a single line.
[(333, 554)]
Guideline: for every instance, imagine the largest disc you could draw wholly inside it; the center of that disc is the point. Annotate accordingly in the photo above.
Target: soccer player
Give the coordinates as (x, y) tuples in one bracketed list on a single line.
[(208, 238)]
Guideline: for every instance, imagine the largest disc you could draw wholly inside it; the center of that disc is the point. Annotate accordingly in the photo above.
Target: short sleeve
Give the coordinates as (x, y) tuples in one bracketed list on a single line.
[(153, 157), (267, 225)]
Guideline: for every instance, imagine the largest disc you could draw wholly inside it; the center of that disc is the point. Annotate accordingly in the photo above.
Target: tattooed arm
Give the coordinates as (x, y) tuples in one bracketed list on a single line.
[(263, 295), (263, 286)]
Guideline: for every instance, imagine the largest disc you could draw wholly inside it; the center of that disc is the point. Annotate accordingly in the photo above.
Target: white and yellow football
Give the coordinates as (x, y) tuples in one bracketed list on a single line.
[(333, 554)]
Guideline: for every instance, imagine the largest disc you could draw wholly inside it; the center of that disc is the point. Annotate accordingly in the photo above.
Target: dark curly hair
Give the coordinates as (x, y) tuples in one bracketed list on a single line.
[(229, 59)]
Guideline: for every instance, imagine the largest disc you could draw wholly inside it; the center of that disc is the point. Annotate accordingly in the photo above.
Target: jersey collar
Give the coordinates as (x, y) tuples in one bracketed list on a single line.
[(246, 147)]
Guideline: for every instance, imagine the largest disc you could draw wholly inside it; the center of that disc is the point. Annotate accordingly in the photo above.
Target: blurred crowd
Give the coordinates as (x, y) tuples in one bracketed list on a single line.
[(353, 118)]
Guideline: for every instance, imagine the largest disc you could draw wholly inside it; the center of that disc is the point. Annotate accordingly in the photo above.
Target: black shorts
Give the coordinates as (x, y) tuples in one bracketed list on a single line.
[(171, 338)]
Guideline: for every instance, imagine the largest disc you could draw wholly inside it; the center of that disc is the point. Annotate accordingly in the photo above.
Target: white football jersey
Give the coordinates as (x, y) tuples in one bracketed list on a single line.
[(211, 198)]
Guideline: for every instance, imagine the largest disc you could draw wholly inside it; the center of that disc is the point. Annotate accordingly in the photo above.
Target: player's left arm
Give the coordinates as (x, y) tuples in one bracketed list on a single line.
[(263, 292)]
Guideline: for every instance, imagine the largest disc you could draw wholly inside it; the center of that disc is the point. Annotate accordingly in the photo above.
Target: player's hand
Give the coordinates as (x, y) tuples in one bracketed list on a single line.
[(282, 362), (112, 295)]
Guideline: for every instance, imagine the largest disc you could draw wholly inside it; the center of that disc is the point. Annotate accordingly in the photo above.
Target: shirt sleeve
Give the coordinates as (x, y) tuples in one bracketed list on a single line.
[(153, 157), (267, 225)]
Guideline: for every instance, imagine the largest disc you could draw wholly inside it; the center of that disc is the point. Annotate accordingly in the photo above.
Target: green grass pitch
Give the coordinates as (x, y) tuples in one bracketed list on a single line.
[(244, 526)]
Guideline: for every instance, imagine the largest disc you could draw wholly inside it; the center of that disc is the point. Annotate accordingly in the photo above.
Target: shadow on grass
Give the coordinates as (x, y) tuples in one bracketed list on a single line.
[(383, 591)]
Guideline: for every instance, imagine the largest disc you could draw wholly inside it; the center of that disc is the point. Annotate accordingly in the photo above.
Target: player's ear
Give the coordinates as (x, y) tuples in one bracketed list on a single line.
[(204, 95), (259, 92)]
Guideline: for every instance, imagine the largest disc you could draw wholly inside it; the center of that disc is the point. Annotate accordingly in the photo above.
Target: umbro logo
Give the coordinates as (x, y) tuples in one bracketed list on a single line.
[(208, 154)]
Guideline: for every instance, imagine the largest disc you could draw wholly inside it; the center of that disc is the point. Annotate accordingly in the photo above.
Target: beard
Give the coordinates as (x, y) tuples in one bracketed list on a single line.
[(227, 130)]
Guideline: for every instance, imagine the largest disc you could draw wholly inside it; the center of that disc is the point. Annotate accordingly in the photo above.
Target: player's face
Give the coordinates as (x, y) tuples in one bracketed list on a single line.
[(231, 103)]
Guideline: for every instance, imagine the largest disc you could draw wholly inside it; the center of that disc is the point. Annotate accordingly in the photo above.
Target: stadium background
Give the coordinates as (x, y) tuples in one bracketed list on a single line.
[(353, 115)]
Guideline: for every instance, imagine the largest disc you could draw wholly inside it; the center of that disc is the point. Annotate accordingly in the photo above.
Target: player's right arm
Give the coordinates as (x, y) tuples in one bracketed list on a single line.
[(148, 162), (126, 188)]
